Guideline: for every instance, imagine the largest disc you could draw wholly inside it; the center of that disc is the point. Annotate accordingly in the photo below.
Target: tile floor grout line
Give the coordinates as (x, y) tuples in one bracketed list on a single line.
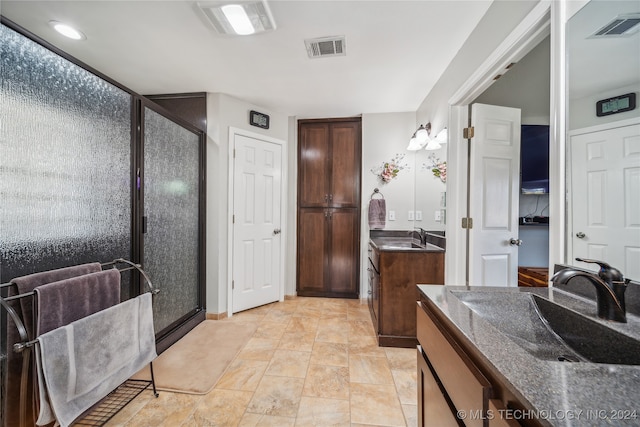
[(311, 309)]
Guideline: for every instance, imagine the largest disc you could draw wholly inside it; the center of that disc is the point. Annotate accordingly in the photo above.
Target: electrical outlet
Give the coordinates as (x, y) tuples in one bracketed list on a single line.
[(411, 216), (436, 216), (418, 215), (392, 215)]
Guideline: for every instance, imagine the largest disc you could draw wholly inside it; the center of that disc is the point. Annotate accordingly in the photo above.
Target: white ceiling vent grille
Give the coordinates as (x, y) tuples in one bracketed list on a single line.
[(326, 46), (620, 26)]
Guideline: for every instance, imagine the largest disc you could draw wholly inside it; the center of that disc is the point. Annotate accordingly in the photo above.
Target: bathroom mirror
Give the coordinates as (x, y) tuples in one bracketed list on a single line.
[(603, 143), (430, 189)]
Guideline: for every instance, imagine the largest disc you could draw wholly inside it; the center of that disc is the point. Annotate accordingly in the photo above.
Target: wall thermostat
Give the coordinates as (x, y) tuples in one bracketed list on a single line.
[(617, 104), (260, 120)]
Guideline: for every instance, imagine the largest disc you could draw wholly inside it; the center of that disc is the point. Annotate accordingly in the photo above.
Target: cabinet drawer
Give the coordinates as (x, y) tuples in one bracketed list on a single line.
[(496, 408), (433, 407), (465, 385)]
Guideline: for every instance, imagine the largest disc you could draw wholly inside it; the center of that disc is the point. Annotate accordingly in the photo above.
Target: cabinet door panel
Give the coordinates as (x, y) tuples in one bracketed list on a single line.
[(344, 247), (345, 158), (467, 388), (313, 169), (433, 409), (312, 225)]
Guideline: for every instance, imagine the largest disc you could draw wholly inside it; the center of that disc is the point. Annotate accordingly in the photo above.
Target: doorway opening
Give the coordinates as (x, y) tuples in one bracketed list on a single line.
[(530, 37)]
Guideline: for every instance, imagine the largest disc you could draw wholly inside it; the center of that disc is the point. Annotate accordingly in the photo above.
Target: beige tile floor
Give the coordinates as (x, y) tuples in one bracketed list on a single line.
[(311, 362)]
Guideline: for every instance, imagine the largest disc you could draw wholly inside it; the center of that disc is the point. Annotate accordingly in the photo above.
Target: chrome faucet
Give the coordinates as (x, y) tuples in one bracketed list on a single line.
[(610, 286)]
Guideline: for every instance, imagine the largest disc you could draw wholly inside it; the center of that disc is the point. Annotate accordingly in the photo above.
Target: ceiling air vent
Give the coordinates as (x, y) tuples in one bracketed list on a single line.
[(620, 26), (326, 46)]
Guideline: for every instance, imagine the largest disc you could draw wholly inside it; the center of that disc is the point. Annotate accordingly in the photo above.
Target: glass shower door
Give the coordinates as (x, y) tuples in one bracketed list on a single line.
[(171, 186)]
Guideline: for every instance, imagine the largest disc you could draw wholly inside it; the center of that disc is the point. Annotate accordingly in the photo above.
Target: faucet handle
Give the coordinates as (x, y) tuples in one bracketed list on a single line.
[(607, 273)]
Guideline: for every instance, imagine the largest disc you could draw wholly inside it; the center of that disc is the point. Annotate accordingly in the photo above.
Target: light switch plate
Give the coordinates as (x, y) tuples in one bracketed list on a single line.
[(436, 215), (418, 215), (392, 215), (411, 216)]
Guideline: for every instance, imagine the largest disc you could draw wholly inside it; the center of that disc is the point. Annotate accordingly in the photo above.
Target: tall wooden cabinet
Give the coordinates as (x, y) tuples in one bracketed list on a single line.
[(329, 168)]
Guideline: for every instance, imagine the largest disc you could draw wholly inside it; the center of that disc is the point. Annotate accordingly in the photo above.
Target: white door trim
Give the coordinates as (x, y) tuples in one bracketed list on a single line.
[(533, 29), (233, 131)]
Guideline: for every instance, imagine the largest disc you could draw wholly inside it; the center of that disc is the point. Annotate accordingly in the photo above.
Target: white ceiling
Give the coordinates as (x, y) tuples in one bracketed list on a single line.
[(396, 50), (598, 65)]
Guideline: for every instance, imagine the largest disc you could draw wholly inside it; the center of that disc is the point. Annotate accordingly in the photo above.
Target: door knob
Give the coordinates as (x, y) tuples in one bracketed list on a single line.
[(580, 235), (277, 231), (515, 242)]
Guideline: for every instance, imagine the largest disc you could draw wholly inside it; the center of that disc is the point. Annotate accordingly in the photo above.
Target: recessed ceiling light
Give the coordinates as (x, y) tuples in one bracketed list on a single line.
[(67, 30)]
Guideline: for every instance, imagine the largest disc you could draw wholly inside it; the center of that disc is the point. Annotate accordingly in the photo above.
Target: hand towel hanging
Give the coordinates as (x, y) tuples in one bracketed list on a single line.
[(377, 211)]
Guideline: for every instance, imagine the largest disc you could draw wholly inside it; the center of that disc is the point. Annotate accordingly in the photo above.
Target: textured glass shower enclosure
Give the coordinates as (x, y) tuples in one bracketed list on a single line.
[(171, 188), (65, 162), (65, 166)]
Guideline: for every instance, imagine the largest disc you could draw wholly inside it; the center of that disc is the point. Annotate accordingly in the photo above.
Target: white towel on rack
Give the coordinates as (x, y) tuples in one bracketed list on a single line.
[(84, 361)]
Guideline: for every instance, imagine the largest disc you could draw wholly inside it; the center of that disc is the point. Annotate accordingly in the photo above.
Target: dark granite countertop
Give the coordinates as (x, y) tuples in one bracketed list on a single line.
[(558, 393), (391, 240)]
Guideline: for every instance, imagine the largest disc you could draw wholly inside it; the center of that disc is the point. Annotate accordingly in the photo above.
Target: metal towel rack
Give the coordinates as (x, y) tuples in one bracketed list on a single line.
[(18, 347), (376, 191), (24, 347)]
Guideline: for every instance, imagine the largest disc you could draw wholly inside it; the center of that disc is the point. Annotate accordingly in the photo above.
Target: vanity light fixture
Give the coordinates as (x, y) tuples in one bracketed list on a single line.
[(423, 133), (419, 137), (239, 17), (414, 145), (436, 143), (67, 30)]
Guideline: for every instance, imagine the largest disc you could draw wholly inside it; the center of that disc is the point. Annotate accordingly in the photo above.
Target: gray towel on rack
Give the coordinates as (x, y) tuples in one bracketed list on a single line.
[(26, 284), (84, 361), (23, 307), (377, 213), (60, 303), (63, 302)]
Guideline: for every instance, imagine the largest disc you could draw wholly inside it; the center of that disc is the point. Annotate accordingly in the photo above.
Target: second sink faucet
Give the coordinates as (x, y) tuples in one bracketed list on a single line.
[(610, 287), (423, 235)]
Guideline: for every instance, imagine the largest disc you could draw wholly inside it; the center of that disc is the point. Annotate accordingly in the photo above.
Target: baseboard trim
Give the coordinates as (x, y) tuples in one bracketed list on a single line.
[(217, 316)]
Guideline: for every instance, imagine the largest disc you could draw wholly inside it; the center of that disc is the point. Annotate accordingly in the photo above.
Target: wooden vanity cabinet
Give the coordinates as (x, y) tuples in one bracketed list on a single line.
[(465, 383), (393, 292), (433, 404)]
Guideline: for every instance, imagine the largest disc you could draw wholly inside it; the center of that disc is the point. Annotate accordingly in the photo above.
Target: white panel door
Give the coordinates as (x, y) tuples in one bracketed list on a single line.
[(605, 198), (494, 191), (257, 248)]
